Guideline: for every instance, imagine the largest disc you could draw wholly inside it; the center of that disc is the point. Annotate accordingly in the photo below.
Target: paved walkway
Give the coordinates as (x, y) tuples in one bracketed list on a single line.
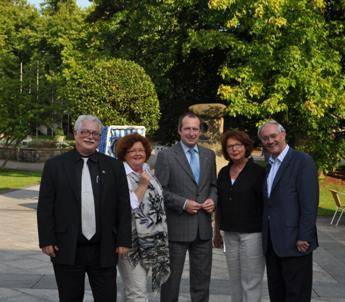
[(26, 274)]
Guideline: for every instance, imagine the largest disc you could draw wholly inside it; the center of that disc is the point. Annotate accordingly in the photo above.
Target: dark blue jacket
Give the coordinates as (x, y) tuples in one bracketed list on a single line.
[(290, 211)]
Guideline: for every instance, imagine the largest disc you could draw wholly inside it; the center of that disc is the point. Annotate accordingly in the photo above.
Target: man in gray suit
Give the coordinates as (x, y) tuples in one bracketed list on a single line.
[(187, 173)]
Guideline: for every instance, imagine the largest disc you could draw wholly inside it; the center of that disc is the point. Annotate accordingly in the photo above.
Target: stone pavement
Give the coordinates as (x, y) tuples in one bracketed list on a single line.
[(26, 274)]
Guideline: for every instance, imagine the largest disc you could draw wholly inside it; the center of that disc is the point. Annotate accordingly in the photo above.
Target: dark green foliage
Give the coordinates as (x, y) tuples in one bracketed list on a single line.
[(265, 59), (24, 89), (119, 92), (153, 33), (281, 59)]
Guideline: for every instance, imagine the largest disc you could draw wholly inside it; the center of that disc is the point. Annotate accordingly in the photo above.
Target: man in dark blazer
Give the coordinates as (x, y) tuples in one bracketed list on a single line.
[(187, 173), (291, 196), (83, 215)]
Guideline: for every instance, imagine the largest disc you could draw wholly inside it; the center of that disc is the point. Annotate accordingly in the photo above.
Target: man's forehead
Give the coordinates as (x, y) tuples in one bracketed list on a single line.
[(270, 128), (90, 124), (190, 121)]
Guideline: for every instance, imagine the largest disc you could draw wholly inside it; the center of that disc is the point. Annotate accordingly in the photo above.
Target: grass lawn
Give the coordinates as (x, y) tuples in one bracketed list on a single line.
[(12, 179), (327, 205)]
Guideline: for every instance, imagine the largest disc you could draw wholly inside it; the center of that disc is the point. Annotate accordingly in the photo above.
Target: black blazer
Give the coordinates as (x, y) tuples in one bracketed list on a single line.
[(59, 208), (240, 205), (290, 211)]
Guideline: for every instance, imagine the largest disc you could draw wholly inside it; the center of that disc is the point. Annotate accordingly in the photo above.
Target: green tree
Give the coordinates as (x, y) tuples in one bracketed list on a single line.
[(153, 33), (24, 102), (61, 42), (265, 59), (280, 65), (23, 105), (17, 84), (335, 17), (119, 92)]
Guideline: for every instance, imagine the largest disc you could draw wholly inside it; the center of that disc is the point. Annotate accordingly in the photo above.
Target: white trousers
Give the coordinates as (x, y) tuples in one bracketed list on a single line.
[(134, 281), (246, 265)]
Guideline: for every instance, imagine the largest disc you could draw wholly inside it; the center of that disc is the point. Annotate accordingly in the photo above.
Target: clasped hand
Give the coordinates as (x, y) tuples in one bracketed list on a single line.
[(144, 179), (192, 207)]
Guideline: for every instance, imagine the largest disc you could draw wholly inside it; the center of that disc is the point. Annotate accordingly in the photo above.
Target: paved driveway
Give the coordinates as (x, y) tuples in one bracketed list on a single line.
[(26, 274)]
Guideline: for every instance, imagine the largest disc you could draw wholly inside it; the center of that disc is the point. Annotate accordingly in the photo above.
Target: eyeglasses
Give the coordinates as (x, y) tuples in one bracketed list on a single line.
[(86, 133), (234, 146), (272, 136), (136, 151)]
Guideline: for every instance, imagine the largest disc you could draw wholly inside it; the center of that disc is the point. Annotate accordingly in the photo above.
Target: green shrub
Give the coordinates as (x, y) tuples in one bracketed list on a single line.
[(119, 92)]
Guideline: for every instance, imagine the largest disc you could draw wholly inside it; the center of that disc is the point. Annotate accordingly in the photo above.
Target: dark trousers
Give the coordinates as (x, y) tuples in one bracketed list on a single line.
[(70, 279), (200, 261), (289, 279)]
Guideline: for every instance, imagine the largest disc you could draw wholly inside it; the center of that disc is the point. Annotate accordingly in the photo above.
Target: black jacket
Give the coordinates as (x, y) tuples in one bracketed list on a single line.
[(240, 205), (59, 212)]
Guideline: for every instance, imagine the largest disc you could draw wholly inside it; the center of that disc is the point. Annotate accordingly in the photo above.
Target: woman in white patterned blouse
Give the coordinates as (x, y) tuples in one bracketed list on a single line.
[(149, 229)]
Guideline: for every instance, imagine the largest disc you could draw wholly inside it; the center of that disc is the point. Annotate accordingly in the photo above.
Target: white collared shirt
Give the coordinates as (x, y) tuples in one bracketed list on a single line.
[(275, 164), (133, 198)]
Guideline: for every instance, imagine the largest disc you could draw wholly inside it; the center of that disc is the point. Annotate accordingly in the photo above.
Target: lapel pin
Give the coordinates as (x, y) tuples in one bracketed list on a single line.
[(103, 171)]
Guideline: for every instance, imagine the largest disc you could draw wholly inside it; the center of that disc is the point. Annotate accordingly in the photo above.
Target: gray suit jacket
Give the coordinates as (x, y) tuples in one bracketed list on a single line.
[(176, 177)]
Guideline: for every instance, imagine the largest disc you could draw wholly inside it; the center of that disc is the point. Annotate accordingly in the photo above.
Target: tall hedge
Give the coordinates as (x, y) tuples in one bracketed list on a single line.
[(119, 92)]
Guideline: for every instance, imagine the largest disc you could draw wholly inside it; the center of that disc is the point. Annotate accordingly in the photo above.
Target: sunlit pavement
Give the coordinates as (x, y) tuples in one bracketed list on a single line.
[(26, 274)]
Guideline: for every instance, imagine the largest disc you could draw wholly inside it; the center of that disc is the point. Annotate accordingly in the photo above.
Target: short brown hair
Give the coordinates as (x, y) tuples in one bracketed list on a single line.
[(126, 142), (242, 137), (187, 114)]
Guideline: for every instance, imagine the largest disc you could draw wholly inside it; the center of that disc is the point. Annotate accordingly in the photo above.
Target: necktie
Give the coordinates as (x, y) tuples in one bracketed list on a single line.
[(88, 219), (194, 164)]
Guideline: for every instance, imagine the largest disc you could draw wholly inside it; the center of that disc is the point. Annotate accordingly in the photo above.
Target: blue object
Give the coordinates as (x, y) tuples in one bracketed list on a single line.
[(194, 164), (111, 134)]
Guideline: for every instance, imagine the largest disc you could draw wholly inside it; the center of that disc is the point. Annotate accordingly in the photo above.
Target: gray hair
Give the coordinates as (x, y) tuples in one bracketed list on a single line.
[(86, 117), (271, 122)]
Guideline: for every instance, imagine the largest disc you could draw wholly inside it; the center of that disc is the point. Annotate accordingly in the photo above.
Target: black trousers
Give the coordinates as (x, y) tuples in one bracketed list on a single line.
[(290, 278), (70, 279)]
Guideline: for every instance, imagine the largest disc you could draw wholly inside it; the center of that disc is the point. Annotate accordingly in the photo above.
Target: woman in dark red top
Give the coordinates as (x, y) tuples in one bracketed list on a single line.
[(239, 216)]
